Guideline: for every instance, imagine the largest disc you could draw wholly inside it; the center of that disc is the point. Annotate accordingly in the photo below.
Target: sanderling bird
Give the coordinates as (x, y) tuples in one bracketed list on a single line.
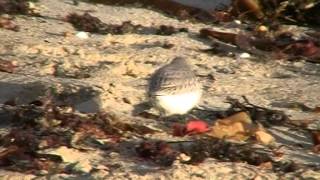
[(174, 89)]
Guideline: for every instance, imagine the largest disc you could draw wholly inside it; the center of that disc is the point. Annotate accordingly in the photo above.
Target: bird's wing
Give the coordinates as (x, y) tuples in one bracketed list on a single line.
[(167, 81)]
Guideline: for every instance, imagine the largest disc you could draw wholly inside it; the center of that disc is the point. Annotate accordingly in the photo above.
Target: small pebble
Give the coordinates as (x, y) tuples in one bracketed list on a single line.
[(244, 56), (126, 100), (184, 157), (237, 21), (82, 35), (262, 29), (298, 64)]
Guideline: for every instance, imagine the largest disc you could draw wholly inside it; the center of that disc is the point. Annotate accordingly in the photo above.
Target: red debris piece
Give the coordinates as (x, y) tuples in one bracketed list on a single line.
[(194, 126)]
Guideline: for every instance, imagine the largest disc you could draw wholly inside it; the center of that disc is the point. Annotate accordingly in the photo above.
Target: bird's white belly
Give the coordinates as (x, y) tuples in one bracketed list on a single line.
[(179, 104)]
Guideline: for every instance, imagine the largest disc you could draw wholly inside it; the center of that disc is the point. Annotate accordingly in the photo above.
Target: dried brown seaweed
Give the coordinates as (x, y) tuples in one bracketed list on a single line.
[(89, 23)]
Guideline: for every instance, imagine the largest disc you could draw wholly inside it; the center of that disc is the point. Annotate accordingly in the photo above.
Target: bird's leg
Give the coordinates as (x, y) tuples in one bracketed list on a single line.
[(162, 115), (190, 116)]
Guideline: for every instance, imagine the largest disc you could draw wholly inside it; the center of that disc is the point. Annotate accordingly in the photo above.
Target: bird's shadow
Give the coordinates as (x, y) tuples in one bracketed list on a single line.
[(142, 109)]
